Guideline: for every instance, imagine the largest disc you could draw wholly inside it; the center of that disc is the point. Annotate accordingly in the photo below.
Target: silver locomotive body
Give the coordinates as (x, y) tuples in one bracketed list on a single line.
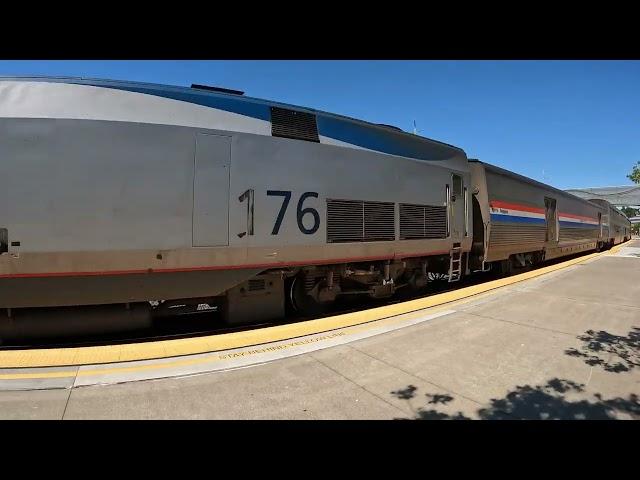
[(116, 192)]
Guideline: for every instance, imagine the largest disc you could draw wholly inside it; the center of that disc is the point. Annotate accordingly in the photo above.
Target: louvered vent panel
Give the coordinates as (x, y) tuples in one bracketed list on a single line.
[(291, 124), (358, 221), (379, 221), (435, 222), (422, 221), (411, 221), (345, 221)]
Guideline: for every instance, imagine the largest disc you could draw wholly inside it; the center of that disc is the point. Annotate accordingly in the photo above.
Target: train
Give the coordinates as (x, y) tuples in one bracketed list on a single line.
[(125, 200)]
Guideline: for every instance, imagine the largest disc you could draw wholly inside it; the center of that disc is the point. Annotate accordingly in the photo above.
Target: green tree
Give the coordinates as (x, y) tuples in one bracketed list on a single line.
[(629, 212), (634, 176)]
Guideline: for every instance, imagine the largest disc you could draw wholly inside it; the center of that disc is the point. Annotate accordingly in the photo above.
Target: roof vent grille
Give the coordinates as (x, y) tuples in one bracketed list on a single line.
[(292, 124)]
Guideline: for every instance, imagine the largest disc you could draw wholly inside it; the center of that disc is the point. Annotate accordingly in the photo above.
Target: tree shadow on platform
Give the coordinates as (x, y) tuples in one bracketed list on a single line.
[(614, 353), (539, 402)]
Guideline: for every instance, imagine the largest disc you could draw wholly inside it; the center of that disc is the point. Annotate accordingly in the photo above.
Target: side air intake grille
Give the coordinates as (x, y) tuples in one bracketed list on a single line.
[(291, 124), (358, 221), (422, 221), (345, 221)]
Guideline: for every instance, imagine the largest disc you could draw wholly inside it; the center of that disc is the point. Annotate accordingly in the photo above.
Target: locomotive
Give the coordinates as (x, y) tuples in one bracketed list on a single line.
[(122, 201)]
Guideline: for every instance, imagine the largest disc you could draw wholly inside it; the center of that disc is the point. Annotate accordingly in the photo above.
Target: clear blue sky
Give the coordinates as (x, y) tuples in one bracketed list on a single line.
[(576, 121)]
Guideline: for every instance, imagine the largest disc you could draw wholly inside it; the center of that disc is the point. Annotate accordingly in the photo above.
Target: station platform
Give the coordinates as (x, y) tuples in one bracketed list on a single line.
[(560, 342)]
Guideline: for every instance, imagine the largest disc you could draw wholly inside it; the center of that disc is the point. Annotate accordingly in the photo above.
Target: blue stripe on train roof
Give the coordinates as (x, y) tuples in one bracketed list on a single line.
[(345, 129), (381, 139)]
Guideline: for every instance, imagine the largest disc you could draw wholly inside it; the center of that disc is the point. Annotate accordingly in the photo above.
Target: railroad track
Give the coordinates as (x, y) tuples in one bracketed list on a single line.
[(210, 323)]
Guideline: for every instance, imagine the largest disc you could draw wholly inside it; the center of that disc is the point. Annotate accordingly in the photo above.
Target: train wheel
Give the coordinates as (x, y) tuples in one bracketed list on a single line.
[(437, 277), (300, 302), (505, 267)]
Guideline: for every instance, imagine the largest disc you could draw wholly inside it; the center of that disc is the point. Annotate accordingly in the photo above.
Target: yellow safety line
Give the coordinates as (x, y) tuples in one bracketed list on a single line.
[(190, 346), (210, 359)]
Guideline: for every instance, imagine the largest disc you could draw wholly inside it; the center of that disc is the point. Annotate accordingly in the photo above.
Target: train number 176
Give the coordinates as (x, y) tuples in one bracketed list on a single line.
[(300, 211)]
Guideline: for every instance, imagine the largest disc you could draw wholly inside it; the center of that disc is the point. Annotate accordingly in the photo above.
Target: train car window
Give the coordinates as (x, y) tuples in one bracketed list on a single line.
[(457, 185), (4, 240)]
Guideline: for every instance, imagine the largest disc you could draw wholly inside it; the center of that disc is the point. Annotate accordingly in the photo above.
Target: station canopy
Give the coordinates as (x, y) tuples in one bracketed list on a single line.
[(626, 196)]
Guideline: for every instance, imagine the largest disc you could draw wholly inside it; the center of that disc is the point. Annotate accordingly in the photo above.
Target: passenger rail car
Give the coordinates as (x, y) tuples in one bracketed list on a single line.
[(616, 227), (147, 199), (519, 221)]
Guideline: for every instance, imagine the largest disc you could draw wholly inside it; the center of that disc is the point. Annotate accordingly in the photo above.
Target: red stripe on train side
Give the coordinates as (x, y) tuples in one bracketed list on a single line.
[(515, 206), (223, 267), (525, 208), (579, 217)]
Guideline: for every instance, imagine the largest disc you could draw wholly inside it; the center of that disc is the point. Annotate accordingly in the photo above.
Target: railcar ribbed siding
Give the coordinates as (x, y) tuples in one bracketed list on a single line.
[(578, 233), (507, 234)]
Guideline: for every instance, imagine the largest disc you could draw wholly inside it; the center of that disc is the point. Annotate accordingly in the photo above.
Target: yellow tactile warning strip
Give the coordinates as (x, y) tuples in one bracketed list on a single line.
[(195, 360), (38, 358)]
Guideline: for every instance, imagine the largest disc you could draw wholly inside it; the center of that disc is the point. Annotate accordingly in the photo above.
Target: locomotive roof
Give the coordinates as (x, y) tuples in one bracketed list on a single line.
[(369, 135)]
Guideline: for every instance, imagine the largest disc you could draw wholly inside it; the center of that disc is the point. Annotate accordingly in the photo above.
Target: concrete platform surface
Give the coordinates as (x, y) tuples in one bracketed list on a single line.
[(562, 346)]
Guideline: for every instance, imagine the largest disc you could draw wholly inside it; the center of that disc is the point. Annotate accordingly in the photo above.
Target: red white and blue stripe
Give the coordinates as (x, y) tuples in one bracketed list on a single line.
[(518, 213), (572, 220)]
